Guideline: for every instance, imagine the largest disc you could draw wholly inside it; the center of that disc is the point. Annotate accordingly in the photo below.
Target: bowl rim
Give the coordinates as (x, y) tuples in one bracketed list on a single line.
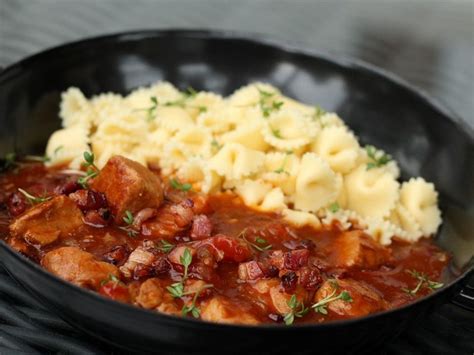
[(344, 62)]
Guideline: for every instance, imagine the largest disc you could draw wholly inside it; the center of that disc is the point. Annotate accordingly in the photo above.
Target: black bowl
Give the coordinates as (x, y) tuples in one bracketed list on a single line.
[(425, 138)]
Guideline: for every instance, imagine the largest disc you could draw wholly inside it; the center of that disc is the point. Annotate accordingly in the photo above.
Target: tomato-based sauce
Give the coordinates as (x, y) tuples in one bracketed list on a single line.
[(208, 257)]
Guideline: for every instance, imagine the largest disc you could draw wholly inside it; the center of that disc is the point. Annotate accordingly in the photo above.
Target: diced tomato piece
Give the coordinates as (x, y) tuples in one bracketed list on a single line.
[(232, 249), (115, 291)]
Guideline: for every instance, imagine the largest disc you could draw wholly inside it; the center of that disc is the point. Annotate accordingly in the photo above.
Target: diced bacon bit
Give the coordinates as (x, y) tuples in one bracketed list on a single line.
[(309, 277), (67, 188), (295, 259), (201, 228), (117, 255), (276, 258), (175, 255), (161, 266), (141, 271), (139, 256), (289, 281), (142, 216), (250, 270), (16, 204), (88, 200)]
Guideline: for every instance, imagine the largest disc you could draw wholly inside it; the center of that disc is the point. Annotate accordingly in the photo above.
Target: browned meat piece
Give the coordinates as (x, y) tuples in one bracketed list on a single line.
[(142, 216), (128, 185), (44, 223), (222, 310), (271, 293), (77, 266), (365, 299), (355, 249), (150, 294), (251, 270), (201, 228), (169, 220), (291, 260), (140, 256)]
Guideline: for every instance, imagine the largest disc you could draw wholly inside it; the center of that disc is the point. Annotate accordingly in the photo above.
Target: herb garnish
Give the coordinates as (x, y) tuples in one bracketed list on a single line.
[(281, 169), (165, 246), (195, 311), (260, 244), (91, 172), (422, 281), (321, 306), (9, 160), (298, 310), (215, 145), (177, 289), (111, 278), (128, 219), (266, 106), (334, 207), (175, 184), (151, 111), (378, 158), (277, 133), (318, 112), (42, 159), (33, 200)]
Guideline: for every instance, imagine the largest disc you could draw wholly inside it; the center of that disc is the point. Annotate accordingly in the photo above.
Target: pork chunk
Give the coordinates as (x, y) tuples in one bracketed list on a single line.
[(150, 294), (44, 223), (128, 185), (365, 299), (222, 310), (354, 249), (77, 266)]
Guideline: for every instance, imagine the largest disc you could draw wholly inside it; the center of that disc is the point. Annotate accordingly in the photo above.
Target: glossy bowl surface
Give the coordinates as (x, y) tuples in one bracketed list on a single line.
[(427, 140)]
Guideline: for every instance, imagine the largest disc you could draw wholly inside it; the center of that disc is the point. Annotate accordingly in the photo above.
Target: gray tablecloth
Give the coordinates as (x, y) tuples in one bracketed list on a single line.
[(428, 42)]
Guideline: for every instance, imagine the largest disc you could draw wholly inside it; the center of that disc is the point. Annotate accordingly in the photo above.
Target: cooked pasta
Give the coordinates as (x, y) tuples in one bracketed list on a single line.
[(276, 153)]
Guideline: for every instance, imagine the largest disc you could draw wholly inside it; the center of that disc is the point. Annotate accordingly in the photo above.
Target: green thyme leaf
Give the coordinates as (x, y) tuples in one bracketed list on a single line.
[(334, 207), (377, 158), (33, 200), (165, 246), (175, 184)]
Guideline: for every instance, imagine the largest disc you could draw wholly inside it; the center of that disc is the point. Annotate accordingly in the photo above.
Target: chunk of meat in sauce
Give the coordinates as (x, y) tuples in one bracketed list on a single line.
[(355, 249), (128, 186), (201, 228), (365, 299), (77, 266), (170, 220), (46, 222), (150, 294), (140, 256), (226, 248), (222, 310), (273, 295)]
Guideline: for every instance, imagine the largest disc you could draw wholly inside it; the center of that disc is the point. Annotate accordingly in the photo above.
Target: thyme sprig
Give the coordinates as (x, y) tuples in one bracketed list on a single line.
[(423, 281), (129, 219), (297, 309), (175, 184), (164, 246), (111, 278), (281, 169), (377, 158), (177, 289), (267, 104), (33, 200), (192, 308), (334, 207), (321, 306), (260, 244), (91, 172)]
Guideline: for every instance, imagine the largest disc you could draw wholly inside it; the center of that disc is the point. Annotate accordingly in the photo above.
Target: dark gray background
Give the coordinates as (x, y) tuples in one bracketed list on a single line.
[(430, 43)]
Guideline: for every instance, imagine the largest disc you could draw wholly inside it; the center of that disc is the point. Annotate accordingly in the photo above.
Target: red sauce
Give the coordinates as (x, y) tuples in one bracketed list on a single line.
[(289, 261)]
